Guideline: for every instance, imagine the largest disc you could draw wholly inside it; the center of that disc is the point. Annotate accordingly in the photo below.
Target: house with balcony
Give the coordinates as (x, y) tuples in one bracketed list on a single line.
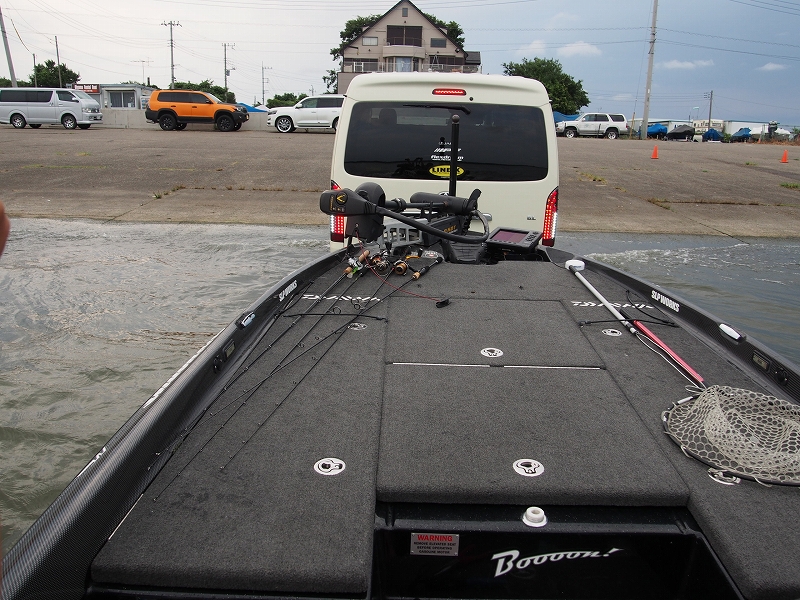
[(404, 39)]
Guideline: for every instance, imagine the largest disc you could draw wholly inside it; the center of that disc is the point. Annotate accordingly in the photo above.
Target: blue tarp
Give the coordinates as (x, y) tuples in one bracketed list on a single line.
[(558, 117), (742, 134), (712, 135), (253, 109), (656, 129)]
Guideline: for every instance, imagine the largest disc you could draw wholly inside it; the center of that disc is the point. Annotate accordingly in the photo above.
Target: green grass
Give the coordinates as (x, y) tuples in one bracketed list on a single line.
[(791, 186)]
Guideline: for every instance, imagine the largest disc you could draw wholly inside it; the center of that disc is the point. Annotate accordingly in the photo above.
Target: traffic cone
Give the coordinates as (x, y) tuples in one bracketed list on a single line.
[(655, 151), (785, 158)]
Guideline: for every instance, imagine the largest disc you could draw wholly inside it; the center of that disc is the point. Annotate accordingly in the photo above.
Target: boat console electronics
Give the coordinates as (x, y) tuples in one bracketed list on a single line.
[(515, 241)]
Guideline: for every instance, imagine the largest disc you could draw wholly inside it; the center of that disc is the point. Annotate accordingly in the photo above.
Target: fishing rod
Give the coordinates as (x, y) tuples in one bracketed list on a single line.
[(636, 327)]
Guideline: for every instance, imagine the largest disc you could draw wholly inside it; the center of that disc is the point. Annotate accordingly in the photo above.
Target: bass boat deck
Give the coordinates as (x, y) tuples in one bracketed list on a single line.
[(486, 429)]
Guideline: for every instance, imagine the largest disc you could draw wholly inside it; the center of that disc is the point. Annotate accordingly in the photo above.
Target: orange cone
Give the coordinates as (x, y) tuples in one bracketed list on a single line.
[(785, 158), (655, 152)]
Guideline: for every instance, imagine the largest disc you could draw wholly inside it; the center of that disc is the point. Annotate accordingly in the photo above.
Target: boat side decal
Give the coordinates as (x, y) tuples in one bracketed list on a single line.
[(668, 302), (287, 290), (506, 561)]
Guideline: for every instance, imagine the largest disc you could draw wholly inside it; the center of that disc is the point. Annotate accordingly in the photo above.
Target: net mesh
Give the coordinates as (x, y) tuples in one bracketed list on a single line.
[(744, 433)]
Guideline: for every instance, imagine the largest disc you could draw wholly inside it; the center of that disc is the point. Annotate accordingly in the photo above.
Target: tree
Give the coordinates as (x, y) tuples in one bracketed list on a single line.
[(454, 31), (5, 82), (352, 29), (208, 87), (288, 99), (47, 75), (566, 94), (330, 80)]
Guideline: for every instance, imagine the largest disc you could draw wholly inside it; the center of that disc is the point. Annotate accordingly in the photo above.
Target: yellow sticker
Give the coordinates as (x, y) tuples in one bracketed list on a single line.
[(444, 171)]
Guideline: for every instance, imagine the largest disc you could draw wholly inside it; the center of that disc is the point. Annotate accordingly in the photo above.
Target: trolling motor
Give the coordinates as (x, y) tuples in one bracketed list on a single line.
[(366, 207)]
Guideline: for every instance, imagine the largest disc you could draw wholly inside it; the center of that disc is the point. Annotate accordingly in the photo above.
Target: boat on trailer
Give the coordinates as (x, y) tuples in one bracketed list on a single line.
[(437, 412)]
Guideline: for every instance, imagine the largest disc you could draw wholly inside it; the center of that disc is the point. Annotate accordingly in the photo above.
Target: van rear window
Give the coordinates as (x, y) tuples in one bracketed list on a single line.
[(412, 141)]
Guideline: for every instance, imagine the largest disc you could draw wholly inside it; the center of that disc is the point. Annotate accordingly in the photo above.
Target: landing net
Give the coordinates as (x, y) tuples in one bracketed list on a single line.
[(741, 432)]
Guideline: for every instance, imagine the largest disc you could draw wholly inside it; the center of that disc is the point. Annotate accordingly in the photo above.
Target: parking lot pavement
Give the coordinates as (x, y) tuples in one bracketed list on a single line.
[(264, 177)]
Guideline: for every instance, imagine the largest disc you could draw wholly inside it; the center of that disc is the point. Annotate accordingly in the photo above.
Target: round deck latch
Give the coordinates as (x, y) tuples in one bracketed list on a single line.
[(612, 332), (528, 467), (329, 466), (492, 352)]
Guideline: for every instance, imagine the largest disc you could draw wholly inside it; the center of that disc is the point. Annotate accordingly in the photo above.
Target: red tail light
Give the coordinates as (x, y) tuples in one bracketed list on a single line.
[(449, 92), (337, 221), (550, 219)]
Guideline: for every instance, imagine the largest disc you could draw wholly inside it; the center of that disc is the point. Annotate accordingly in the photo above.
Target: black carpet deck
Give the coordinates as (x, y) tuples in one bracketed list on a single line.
[(418, 414)]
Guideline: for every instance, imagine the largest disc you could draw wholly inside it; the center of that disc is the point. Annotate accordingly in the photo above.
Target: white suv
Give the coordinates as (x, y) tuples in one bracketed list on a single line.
[(596, 124), (314, 112)]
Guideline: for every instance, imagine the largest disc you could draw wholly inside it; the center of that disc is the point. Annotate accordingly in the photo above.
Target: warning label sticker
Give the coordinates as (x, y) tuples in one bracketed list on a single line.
[(434, 544)]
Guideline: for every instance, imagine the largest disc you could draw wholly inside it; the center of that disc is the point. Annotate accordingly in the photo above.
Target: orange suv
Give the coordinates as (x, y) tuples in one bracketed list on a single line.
[(174, 109)]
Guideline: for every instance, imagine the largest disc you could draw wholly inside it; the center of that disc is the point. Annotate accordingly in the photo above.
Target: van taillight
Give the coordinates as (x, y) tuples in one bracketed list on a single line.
[(550, 219), (449, 92), (337, 228), (337, 221)]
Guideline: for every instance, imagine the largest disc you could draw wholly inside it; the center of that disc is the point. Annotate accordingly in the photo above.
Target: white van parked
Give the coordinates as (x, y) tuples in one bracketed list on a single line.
[(395, 130), (48, 106)]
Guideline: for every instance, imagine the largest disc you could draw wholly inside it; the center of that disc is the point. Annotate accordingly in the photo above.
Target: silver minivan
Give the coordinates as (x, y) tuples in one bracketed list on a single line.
[(48, 106)]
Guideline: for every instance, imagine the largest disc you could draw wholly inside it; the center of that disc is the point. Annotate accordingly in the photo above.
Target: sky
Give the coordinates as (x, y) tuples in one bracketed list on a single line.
[(746, 51)]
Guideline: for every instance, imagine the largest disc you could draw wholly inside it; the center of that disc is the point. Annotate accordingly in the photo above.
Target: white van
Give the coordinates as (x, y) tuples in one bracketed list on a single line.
[(395, 130), (48, 106)]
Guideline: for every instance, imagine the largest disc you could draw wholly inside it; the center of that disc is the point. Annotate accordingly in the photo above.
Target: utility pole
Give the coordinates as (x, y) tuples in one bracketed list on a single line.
[(8, 51), (171, 24), (227, 72), (643, 129), (710, 96), (263, 81), (35, 83), (58, 60), (143, 62)]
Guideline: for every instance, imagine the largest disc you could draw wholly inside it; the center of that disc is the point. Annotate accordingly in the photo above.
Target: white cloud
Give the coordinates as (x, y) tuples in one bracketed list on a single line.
[(687, 64), (535, 48), (579, 49), (772, 67)]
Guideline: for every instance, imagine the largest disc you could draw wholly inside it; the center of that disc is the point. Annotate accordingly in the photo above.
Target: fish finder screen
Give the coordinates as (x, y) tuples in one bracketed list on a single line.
[(513, 237)]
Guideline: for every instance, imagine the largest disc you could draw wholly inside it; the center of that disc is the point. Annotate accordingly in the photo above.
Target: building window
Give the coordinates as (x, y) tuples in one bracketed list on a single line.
[(361, 65), (438, 43), (402, 64), (369, 41), (401, 35), (405, 12), (122, 99)]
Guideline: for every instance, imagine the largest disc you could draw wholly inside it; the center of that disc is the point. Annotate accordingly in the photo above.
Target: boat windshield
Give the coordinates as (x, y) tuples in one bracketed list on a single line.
[(412, 141)]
